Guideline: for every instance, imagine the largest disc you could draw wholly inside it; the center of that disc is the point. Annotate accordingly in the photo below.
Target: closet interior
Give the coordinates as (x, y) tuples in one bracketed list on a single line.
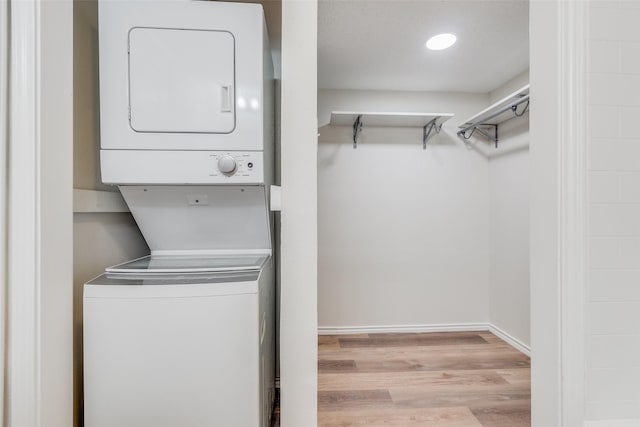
[(423, 208)]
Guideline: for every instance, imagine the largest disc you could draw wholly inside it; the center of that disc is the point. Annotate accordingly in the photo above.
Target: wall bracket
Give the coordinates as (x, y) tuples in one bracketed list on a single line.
[(356, 120), (428, 128), (482, 130), (357, 129)]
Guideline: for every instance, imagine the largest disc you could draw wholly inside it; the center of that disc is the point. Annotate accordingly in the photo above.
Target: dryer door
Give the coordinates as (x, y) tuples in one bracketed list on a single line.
[(181, 81), (178, 76)]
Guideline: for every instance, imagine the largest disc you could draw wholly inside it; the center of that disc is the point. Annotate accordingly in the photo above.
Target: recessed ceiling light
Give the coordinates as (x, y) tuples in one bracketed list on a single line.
[(441, 41)]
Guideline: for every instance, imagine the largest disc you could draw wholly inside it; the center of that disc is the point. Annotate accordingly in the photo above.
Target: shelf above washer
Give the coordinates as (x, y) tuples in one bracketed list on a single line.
[(429, 122), (495, 114)]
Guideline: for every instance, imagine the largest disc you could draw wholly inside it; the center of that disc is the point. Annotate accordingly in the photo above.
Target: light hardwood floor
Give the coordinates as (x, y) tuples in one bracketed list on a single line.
[(460, 379)]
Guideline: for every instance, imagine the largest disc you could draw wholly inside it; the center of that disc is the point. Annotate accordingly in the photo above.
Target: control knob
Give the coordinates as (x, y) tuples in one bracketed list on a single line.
[(227, 165)]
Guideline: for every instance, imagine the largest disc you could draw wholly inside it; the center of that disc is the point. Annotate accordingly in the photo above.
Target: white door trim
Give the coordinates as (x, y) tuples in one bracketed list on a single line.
[(299, 241), (40, 215), (573, 176), (4, 140), (23, 276), (558, 210)]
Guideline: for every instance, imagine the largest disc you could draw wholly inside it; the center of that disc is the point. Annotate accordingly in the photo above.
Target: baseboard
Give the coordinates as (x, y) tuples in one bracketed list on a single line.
[(511, 340), (612, 423), (390, 329), (447, 327)]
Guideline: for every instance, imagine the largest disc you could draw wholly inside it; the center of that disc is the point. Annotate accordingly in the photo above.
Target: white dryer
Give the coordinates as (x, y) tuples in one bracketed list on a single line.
[(186, 93), (185, 337)]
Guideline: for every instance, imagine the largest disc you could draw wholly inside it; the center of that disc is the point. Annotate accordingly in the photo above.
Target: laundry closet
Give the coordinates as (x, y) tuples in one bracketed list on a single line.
[(423, 220), (420, 229), (423, 169), (186, 147)]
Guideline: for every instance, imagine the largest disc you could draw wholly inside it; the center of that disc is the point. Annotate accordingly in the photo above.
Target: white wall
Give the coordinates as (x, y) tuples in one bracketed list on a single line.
[(86, 106), (403, 232), (613, 307), (546, 382), (99, 239), (509, 223), (53, 212), (509, 86), (299, 124)]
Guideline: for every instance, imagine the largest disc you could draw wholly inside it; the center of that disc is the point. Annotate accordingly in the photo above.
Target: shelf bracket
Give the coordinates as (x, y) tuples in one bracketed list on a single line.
[(514, 108), (357, 128), (486, 134), (427, 129)]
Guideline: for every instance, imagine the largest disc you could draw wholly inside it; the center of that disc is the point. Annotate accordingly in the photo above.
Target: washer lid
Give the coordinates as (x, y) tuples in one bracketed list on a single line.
[(150, 265), (171, 285)]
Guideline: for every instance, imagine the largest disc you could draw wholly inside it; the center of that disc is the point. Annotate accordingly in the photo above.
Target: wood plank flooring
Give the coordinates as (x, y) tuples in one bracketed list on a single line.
[(460, 379)]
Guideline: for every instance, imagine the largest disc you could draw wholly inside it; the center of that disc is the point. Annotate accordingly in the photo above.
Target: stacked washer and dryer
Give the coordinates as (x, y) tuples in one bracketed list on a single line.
[(185, 336)]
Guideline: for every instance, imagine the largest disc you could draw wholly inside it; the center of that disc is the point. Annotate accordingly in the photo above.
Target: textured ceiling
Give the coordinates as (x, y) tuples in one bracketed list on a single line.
[(380, 44)]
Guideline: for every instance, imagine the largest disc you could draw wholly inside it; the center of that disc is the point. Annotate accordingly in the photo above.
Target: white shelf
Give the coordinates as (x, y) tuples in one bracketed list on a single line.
[(430, 123), (347, 118), (488, 115), (514, 105), (92, 201)]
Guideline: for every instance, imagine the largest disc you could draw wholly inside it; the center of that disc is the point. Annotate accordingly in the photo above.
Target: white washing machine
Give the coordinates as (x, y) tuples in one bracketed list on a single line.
[(185, 337), (181, 348)]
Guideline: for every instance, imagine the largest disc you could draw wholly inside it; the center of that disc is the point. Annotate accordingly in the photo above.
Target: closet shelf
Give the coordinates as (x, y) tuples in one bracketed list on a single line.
[(513, 105), (429, 122)]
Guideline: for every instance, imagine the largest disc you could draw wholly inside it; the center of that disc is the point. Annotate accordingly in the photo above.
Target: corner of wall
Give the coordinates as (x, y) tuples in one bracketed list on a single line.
[(509, 86), (508, 175)]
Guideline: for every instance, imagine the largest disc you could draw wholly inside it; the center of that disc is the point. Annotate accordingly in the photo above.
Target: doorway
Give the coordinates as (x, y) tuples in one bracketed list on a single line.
[(423, 232)]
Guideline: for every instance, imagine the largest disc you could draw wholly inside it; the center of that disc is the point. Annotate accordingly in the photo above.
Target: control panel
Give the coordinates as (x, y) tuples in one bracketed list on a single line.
[(182, 167), (236, 164)]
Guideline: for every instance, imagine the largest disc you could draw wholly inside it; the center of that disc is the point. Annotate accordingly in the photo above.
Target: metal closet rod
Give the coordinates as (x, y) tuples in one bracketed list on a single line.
[(496, 114)]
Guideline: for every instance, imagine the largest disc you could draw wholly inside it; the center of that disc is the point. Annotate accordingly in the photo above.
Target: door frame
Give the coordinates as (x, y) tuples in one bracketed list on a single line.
[(39, 222), (558, 219), (40, 213), (559, 209)]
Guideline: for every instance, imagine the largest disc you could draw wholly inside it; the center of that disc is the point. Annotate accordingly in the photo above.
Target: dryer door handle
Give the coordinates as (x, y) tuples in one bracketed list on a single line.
[(226, 93)]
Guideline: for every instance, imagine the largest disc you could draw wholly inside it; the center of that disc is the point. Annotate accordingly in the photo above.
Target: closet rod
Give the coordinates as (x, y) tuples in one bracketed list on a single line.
[(502, 110)]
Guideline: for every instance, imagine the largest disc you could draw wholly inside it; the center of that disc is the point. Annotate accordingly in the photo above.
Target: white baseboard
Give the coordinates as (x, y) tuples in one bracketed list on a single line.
[(612, 423), (447, 327), (510, 339), (390, 329)]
